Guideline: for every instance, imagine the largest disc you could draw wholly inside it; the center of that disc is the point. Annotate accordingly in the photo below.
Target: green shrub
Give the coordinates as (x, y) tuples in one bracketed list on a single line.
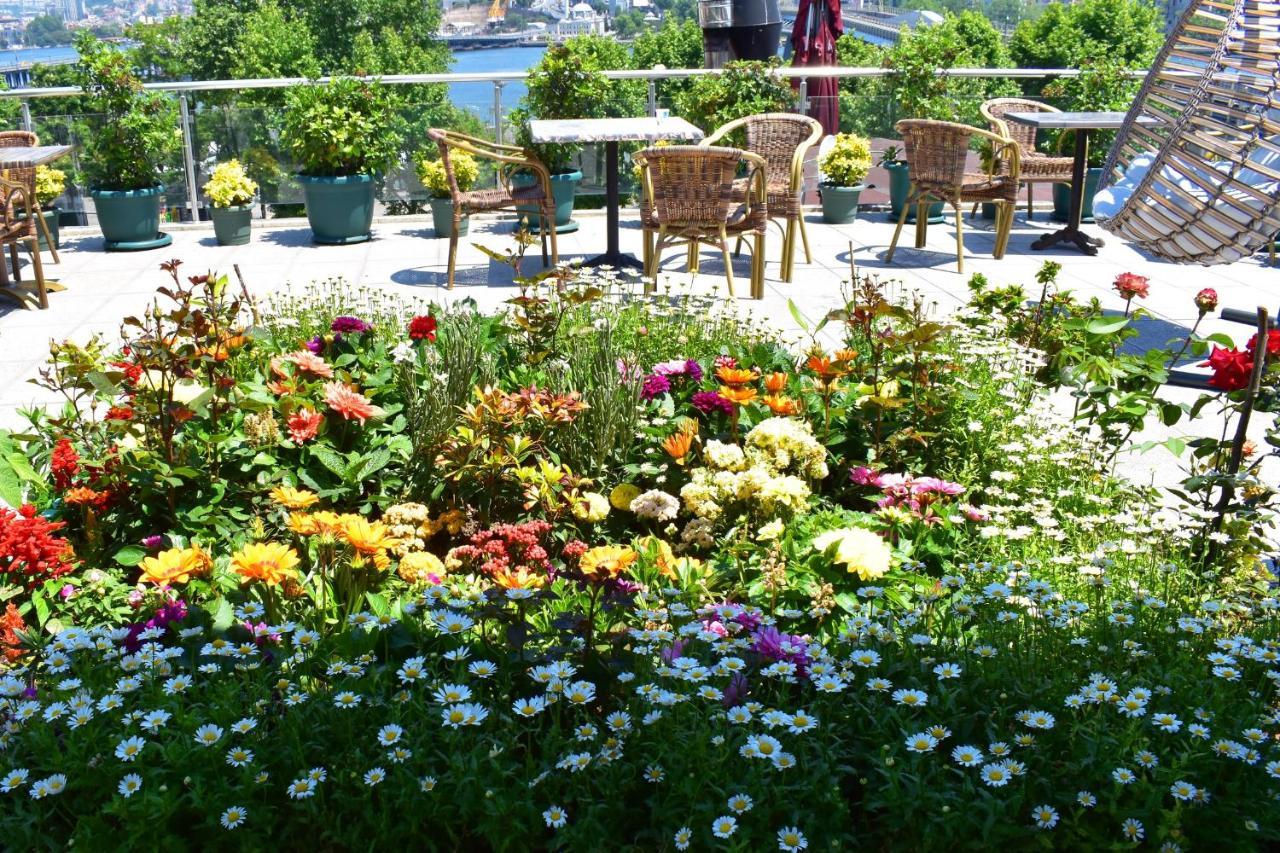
[(348, 127), (743, 89)]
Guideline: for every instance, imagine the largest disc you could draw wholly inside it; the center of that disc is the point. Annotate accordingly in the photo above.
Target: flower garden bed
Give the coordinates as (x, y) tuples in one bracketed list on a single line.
[(353, 573)]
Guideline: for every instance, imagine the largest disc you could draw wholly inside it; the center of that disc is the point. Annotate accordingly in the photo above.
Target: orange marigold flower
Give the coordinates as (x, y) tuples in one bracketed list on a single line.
[(291, 498), (846, 355), (824, 366), (738, 396), (780, 405), (776, 382), (269, 562), (735, 375), (352, 405), (678, 445), (606, 561), (176, 565), (304, 424)]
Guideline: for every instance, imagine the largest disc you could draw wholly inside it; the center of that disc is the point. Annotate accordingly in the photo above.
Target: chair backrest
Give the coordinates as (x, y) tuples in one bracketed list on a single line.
[(781, 139), (995, 110), (936, 150), (690, 185), (21, 139)]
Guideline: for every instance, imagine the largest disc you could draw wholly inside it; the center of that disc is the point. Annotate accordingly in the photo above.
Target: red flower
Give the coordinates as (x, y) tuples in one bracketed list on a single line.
[(1206, 300), (64, 463), (422, 328), (30, 553), (10, 624), (120, 413), (1129, 285), (1273, 343), (1231, 368), (304, 424)]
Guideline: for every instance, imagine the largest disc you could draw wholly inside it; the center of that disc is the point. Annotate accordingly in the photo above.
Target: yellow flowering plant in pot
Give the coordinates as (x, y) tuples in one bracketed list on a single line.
[(50, 184), (231, 191), (466, 171), (844, 168)]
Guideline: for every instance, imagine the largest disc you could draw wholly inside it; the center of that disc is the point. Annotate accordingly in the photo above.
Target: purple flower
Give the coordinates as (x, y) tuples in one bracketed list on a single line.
[(772, 644), (736, 691), (349, 325), (67, 591), (679, 369), (153, 543), (674, 651), (316, 345), (709, 401), (693, 370), (864, 476), (654, 385)]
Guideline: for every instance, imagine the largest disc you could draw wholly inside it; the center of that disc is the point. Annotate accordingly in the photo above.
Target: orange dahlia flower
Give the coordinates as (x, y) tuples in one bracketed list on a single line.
[(351, 404)]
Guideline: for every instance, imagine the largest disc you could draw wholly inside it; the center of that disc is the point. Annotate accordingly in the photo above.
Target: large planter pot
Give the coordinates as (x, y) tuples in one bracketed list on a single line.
[(442, 218), (50, 218), (839, 204), (232, 225), (563, 187), (1062, 198), (130, 219), (339, 210), (900, 188)]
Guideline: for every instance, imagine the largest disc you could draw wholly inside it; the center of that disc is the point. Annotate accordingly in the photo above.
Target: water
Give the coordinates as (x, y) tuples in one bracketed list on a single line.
[(478, 97), (27, 55)]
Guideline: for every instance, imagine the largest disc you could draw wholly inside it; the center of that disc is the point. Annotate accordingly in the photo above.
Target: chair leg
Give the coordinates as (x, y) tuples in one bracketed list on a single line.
[(757, 266), (38, 270), (737, 247), (893, 244), (48, 238), (17, 264), (694, 256), (959, 241), (1028, 202), (728, 261), (542, 235), (788, 249), (453, 254), (804, 236), (1006, 226), (922, 223)]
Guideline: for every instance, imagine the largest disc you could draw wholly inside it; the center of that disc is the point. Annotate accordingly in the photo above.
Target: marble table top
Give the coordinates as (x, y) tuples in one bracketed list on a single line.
[(639, 129), (1076, 121), (24, 156)]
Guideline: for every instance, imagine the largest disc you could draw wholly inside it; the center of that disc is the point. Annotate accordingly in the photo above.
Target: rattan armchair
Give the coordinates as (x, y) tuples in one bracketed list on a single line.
[(1037, 168), (783, 140), (27, 178), (690, 196), (937, 152), (511, 159), (14, 199)]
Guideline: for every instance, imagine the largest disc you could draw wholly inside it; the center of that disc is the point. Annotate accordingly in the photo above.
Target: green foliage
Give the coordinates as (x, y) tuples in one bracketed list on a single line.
[(348, 127), (136, 132), (47, 30), (865, 105), (743, 89), (676, 44), (1101, 85), (1128, 32), (848, 160)]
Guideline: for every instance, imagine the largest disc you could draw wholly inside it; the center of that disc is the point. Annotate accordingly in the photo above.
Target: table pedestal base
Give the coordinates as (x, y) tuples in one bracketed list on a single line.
[(617, 260), (1073, 236)]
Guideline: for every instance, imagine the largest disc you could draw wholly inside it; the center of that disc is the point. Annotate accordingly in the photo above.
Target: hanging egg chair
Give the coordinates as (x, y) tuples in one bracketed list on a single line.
[(1194, 173)]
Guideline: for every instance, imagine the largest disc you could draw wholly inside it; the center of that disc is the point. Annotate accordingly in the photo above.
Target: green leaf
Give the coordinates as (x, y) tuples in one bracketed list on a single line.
[(331, 460), (130, 555), (373, 463), (103, 384), (224, 615), (1106, 325), (797, 316)]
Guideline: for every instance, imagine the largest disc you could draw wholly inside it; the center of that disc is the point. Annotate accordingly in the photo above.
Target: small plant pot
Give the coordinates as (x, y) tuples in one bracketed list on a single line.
[(839, 204), (339, 209), (1062, 198), (988, 210), (900, 189), (232, 225), (442, 218), (564, 185), (130, 219), (50, 217)]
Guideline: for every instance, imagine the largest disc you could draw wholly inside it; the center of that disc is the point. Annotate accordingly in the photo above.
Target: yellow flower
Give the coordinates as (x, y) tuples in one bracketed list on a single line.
[(175, 565), (607, 561), (291, 498), (862, 551), (521, 578), (366, 537), (453, 521), (324, 521), (269, 562), (622, 496), (591, 507), (420, 567)]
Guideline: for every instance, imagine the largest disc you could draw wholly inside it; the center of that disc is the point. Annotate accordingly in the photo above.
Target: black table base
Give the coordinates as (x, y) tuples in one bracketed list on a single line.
[(1071, 234), (613, 256)]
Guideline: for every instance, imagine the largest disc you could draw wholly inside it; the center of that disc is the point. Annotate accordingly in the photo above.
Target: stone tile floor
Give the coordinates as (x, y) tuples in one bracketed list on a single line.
[(405, 259)]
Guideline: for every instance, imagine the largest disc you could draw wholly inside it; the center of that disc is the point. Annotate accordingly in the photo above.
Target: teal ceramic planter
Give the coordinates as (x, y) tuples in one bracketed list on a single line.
[(442, 218), (564, 185), (900, 188), (130, 219), (339, 209), (50, 218), (232, 225), (839, 204), (1062, 198)]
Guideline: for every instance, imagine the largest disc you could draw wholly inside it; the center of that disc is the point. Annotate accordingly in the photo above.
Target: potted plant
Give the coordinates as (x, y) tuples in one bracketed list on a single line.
[(128, 149), (432, 174), (342, 135), (990, 163), (50, 184), (231, 191), (844, 166)]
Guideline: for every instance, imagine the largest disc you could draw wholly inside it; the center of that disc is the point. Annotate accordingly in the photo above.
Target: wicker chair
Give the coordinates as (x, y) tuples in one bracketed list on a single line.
[(1194, 173), (690, 196), (782, 140), (1037, 168), (27, 177), (937, 151), (511, 159), (14, 230)]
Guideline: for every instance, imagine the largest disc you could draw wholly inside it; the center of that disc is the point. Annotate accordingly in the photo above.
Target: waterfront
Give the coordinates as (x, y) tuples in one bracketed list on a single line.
[(478, 97)]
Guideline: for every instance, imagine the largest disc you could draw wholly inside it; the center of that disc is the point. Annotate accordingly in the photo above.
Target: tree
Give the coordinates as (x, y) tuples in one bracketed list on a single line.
[(628, 24), (48, 30), (1126, 31), (676, 44), (864, 101)]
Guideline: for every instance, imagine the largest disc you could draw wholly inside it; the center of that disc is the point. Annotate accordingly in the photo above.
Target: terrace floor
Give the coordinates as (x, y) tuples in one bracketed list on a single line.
[(405, 259)]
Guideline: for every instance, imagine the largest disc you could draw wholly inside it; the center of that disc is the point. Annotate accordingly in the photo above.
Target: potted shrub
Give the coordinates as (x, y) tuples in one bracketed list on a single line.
[(231, 192), (431, 172), (900, 186), (342, 135), (845, 166), (50, 184), (128, 149)]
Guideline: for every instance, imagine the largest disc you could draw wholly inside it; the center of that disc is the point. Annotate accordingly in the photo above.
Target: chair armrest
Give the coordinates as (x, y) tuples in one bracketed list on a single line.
[(1006, 151)]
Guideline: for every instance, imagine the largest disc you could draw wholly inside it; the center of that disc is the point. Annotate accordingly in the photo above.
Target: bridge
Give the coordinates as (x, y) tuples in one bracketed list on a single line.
[(869, 25), (17, 75)]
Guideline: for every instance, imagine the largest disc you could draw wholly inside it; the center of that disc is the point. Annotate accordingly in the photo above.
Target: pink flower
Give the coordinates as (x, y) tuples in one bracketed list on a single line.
[(1129, 285), (1207, 300)]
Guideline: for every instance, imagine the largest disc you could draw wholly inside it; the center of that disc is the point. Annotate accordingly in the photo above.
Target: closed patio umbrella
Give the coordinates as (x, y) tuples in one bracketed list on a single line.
[(813, 42)]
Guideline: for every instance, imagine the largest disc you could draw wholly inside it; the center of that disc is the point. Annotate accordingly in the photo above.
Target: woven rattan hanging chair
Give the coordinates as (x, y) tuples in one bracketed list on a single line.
[(1194, 174)]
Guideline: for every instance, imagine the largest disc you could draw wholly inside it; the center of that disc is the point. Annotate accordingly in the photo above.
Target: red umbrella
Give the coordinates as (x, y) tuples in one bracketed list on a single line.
[(813, 42)]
